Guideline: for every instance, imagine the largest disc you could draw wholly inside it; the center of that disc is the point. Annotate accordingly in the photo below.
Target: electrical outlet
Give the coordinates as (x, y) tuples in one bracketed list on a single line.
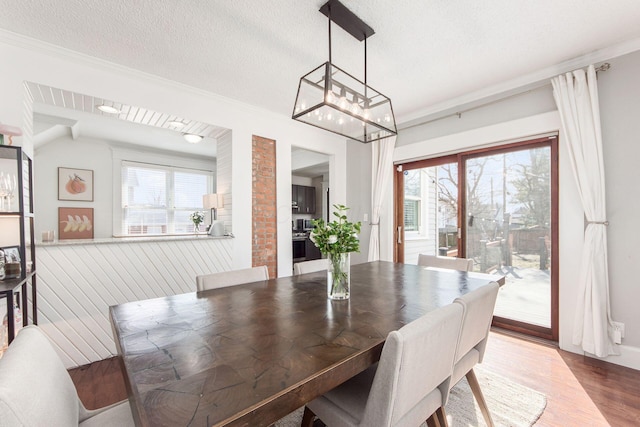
[(366, 217), (620, 327), (618, 332)]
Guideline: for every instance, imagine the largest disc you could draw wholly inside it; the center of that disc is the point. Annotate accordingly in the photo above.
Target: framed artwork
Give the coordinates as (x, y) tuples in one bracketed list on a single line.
[(75, 223), (75, 184), (12, 254)]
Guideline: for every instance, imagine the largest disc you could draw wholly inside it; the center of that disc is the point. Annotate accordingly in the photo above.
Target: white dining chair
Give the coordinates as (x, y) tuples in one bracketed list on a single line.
[(36, 389), (230, 278), (408, 386), (310, 266), (478, 313), (462, 264)]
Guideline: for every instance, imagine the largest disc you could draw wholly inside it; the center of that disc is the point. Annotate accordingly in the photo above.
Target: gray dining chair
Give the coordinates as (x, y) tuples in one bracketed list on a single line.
[(230, 278), (478, 313), (36, 389), (410, 383), (462, 264), (310, 266)]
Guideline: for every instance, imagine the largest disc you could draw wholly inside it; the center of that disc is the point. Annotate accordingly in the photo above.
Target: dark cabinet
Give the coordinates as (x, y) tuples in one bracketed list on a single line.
[(17, 239), (311, 250), (303, 199)]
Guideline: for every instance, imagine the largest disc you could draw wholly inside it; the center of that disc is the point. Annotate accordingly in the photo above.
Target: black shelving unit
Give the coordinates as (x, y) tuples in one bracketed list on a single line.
[(21, 212)]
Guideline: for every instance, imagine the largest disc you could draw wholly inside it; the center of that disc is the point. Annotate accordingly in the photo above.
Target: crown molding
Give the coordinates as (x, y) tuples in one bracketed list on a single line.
[(518, 85)]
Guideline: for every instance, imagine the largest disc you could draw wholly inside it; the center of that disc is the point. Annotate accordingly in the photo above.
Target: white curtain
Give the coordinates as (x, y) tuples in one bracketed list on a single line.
[(381, 167), (576, 96)]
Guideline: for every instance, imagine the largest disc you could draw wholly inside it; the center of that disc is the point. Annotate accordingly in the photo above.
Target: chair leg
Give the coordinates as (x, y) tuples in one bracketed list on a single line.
[(433, 421), (438, 419), (477, 393), (307, 418), (442, 417)]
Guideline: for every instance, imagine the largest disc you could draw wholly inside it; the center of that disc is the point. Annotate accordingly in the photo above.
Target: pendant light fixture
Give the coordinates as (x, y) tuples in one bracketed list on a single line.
[(332, 99)]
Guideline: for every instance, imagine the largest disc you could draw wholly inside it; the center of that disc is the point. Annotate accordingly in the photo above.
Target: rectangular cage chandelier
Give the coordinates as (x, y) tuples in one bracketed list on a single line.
[(334, 100)]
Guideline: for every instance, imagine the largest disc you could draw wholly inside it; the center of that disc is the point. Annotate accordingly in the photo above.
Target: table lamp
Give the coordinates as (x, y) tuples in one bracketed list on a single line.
[(214, 201)]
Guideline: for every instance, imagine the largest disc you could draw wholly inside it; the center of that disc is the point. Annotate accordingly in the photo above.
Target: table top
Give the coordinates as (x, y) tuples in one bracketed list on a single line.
[(250, 354)]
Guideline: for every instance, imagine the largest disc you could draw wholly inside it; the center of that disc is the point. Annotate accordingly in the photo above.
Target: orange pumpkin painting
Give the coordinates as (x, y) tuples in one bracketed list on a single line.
[(76, 185)]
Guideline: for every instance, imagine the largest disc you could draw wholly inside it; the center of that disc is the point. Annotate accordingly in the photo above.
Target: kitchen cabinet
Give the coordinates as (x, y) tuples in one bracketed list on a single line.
[(311, 250), (16, 216), (303, 199)]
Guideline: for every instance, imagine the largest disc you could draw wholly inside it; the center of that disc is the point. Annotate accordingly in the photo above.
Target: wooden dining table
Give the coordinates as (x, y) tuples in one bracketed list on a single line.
[(247, 355)]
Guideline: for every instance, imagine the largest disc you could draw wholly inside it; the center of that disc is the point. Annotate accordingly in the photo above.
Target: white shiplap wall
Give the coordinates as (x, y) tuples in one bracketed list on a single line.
[(77, 284)]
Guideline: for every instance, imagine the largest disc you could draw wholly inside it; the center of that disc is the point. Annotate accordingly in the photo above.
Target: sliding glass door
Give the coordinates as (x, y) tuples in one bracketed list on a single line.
[(430, 210), (497, 206)]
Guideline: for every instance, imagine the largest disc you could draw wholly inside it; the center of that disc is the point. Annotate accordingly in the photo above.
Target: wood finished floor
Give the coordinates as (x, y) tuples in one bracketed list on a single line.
[(580, 391)]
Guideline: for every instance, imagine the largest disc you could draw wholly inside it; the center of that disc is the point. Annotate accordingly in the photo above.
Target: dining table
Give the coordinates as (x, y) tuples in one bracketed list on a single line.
[(247, 355)]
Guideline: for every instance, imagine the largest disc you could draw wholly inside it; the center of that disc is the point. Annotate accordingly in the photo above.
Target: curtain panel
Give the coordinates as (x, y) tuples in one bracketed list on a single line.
[(576, 95), (381, 167)]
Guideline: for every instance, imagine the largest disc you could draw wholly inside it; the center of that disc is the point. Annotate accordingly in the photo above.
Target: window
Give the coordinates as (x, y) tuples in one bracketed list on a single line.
[(159, 199), (414, 201)]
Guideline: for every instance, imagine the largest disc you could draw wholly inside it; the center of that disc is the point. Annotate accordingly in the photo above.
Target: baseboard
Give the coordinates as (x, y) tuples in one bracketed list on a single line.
[(629, 357)]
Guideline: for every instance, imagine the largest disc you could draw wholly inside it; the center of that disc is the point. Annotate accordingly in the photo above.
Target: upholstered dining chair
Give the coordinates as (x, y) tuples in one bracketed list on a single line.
[(462, 264), (478, 313), (36, 389), (408, 386), (310, 266), (229, 278)]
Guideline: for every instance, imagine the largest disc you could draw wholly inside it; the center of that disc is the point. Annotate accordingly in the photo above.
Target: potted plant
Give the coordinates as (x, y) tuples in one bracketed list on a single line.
[(197, 218)]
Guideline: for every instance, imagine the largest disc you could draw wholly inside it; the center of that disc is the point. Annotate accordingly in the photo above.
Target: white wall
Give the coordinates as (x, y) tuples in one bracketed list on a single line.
[(619, 93), (41, 63), (359, 194), (620, 108)]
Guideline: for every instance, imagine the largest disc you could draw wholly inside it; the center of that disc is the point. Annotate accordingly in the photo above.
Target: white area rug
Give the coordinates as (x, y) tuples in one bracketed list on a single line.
[(510, 404)]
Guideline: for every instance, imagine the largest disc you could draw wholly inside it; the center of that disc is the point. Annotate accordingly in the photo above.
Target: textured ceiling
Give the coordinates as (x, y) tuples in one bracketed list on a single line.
[(424, 52)]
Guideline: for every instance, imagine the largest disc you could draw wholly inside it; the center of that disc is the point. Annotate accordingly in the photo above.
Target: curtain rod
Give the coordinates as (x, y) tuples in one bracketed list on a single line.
[(603, 67)]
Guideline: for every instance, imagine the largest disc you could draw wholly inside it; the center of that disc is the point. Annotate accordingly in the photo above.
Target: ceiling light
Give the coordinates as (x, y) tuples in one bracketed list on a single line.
[(176, 124), (192, 138), (108, 109), (334, 95)]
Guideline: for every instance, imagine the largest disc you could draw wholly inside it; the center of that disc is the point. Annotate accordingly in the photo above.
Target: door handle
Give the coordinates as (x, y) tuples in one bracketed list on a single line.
[(399, 235)]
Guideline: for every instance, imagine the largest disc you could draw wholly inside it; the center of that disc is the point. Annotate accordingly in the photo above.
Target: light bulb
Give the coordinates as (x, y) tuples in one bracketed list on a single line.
[(387, 118), (366, 114), (340, 121), (343, 103), (330, 98), (329, 116)]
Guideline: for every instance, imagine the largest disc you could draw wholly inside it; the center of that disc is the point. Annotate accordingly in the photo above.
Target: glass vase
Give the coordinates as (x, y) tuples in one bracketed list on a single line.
[(339, 276)]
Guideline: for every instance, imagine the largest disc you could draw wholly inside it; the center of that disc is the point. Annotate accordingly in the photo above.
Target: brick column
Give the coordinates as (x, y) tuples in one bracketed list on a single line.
[(264, 238)]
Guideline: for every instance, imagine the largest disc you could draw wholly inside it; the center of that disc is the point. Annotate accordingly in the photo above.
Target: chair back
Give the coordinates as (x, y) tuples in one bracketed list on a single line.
[(310, 266), (462, 264), (35, 388), (478, 312), (230, 278), (413, 375)]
